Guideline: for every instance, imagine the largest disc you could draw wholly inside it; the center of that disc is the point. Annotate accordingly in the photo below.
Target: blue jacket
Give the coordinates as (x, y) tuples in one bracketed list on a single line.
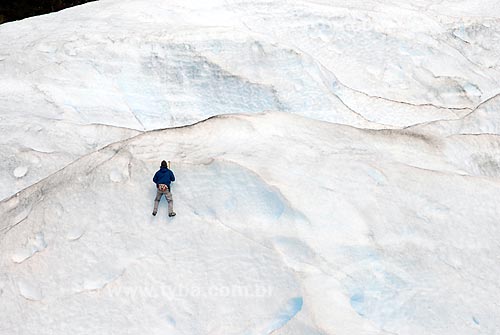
[(163, 176)]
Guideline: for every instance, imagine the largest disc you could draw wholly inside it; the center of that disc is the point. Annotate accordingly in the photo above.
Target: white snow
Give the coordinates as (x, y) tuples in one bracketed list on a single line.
[(346, 180)]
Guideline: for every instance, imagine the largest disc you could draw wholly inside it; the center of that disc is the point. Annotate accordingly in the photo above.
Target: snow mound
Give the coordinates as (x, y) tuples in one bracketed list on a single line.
[(29, 290), (354, 227), (20, 171)]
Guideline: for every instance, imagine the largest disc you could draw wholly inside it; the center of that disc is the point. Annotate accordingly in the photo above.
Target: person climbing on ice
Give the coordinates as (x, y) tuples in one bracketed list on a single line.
[(162, 179)]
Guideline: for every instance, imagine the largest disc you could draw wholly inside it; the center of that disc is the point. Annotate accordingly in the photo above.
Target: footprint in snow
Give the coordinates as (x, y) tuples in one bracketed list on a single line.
[(33, 246), (29, 290), (20, 171)]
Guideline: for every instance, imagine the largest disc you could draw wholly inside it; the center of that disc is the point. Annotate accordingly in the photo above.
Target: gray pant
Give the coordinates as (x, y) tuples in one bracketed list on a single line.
[(170, 201)]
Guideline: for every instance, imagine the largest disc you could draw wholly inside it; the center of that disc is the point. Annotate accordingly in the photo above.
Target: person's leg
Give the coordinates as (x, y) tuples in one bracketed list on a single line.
[(170, 201), (157, 201)]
